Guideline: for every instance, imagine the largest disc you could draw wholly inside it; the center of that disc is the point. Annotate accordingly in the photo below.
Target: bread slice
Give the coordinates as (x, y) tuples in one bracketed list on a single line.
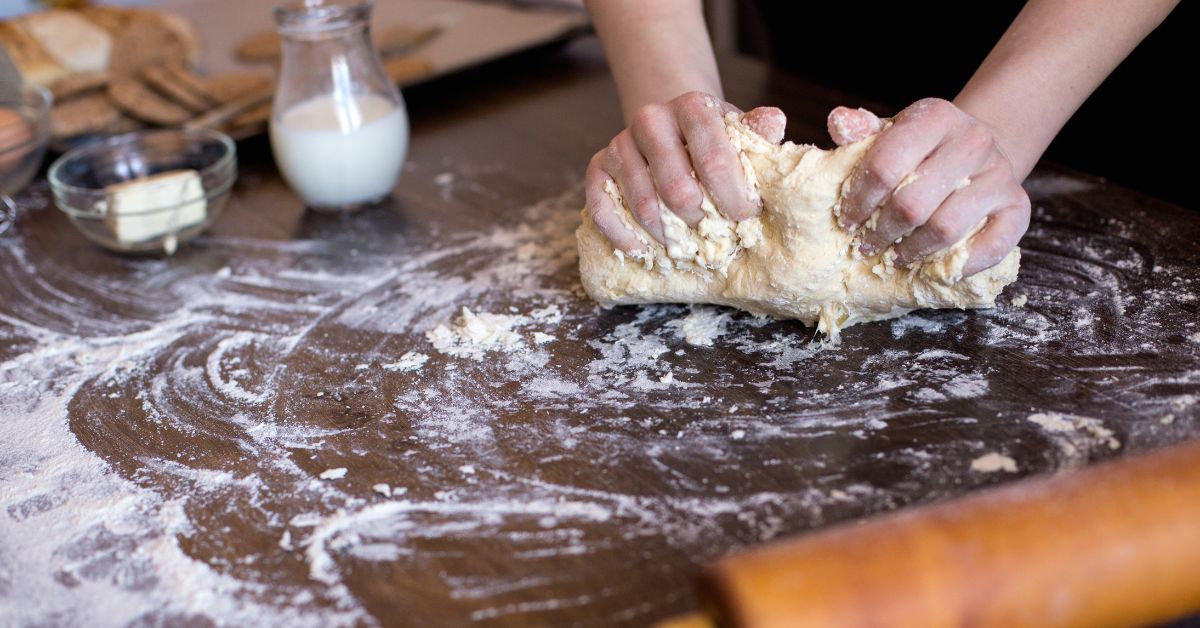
[(71, 39), (28, 55)]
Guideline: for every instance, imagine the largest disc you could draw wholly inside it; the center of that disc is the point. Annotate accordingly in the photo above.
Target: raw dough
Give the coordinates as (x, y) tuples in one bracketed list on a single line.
[(793, 261)]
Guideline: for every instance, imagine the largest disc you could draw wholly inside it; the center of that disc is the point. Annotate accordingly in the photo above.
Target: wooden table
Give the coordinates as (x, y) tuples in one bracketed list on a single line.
[(168, 421)]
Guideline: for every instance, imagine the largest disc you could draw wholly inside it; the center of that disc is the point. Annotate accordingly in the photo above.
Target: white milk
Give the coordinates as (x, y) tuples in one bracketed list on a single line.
[(341, 155)]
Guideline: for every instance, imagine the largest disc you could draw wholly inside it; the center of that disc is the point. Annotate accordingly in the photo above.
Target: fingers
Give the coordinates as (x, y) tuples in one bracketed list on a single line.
[(668, 157), (921, 193), (603, 211), (713, 158), (847, 125), (769, 122), (628, 167), (658, 138), (896, 153), (1002, 232), (954, 219)]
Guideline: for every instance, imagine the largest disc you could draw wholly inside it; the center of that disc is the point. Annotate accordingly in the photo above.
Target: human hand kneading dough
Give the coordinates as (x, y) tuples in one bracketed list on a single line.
[(935, 173), (932, 175), (656, 157)]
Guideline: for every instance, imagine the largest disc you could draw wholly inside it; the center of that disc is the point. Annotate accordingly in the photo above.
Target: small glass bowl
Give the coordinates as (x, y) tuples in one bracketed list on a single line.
[(80, 181), (19, 160)]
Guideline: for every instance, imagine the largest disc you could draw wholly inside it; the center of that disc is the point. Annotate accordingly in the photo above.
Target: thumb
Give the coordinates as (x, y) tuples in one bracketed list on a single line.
[(768, 122), (847, 125)]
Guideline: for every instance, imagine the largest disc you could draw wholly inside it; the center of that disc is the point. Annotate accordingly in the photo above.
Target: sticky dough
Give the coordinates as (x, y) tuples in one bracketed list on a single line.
[(793, 261)]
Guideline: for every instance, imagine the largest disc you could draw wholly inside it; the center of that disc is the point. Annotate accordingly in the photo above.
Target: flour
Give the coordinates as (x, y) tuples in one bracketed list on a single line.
[(162, 465)]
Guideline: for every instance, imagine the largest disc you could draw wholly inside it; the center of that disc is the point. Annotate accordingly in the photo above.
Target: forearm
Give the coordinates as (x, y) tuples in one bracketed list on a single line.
[(1050, 60), (657, 50)]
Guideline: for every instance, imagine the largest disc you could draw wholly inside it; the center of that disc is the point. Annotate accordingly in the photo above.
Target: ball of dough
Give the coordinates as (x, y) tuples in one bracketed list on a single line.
[(793, 261)]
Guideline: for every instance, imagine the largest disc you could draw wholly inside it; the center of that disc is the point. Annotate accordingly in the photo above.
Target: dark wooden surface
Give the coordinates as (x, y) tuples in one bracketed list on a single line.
[(562, 484)]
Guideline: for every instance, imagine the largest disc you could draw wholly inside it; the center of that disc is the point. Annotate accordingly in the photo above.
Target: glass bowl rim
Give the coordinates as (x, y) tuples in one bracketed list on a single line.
[(229, 154)]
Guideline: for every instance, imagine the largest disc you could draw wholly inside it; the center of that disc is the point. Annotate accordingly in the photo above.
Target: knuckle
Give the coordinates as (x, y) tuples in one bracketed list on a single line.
[(693, 98), (934, 105), (1021, 201), (941, 231), (977, 138), (645, 117), (612, 156), (645, 209), (879, 171), (714, 160), (596, 164), (907, 209), (681, 193)]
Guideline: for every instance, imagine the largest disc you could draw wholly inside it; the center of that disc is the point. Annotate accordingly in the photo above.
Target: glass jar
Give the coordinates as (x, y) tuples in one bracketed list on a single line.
[(339, 128)]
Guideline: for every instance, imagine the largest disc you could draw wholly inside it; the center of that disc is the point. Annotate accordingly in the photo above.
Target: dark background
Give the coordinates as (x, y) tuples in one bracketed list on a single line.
[(1137, 129)]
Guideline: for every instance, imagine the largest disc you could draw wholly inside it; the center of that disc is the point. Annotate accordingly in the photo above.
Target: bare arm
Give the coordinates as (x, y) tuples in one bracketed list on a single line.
[(675, 141), (942, 167), (1052, 57), (657, 49)]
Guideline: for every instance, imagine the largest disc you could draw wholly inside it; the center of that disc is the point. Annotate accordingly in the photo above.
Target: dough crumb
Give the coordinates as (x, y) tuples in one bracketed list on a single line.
[(383, 489), (737, 434), (333, 474), (411, 361), (1060, 423), (1167, 419), (993, 462), (472, 335), (1020, 300)]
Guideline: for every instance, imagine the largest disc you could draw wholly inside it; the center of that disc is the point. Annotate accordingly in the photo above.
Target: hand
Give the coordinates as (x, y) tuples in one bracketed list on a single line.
[(932, 175), (656, 156)]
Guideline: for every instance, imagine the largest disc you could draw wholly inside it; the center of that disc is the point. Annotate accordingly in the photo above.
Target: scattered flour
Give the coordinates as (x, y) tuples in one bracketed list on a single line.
[(95, 530)]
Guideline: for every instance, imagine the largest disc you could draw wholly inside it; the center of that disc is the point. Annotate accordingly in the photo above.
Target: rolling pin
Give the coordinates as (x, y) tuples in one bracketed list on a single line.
[(1116, 544)]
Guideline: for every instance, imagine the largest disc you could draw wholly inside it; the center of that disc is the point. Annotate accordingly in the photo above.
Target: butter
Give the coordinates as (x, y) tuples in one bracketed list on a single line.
[(154, 207)]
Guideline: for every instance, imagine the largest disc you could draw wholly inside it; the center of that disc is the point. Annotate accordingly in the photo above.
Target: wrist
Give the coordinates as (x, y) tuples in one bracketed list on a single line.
[(1022, 142)]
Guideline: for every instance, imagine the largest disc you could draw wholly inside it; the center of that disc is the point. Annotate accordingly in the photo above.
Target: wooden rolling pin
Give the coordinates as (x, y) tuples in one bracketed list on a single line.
[(1117, 544)]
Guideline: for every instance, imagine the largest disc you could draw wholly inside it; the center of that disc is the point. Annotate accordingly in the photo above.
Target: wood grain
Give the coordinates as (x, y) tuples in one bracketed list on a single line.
[(593, 503)]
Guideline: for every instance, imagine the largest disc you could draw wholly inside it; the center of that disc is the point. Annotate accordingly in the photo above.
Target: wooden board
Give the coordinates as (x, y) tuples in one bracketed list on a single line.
[(168, 421), (473, 32)]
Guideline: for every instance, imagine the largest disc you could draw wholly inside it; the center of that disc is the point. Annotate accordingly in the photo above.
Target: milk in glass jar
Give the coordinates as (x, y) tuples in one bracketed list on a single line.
[(339, 129)]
